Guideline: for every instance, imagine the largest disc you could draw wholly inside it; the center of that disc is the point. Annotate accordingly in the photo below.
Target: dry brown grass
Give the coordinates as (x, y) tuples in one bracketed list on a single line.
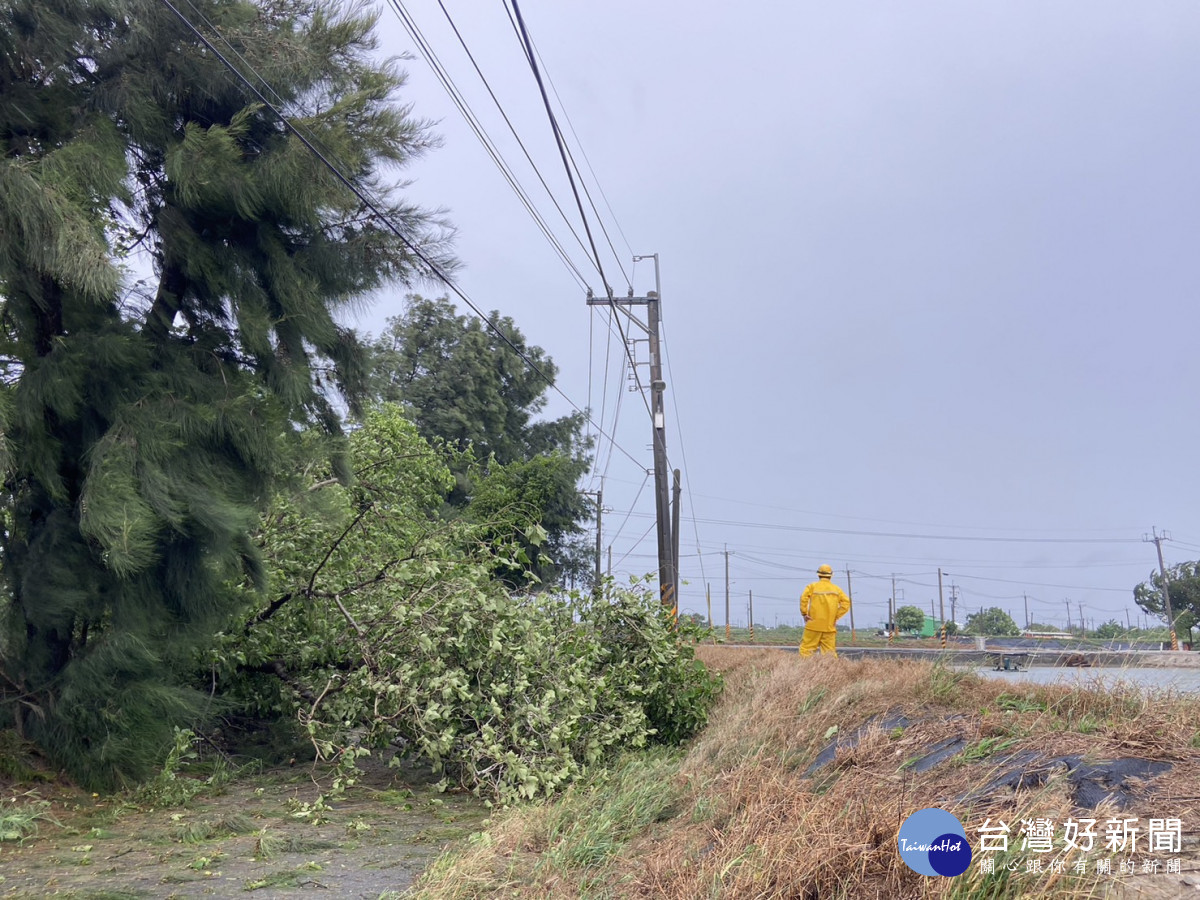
[(747, 821)]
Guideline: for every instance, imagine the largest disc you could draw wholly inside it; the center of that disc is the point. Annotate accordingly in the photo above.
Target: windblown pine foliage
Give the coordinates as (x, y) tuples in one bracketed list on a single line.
[(144, 422)]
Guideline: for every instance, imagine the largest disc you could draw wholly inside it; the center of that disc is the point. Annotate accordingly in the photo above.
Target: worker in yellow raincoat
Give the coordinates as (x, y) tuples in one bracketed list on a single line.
[(822, 604)]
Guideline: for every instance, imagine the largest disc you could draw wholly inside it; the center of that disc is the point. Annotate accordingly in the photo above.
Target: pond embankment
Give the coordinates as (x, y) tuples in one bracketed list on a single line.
[(800, 783), (1035, 656)]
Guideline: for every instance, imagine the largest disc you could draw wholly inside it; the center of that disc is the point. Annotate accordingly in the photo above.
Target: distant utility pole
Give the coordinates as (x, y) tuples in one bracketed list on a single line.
[(953, 602), (850, 595), (892, 613), (942, 604), (752, 617), (726, 592), (1155, 538), (1028, 622), (1082, 621), (667, 562), (1068, 602), (676, 493)]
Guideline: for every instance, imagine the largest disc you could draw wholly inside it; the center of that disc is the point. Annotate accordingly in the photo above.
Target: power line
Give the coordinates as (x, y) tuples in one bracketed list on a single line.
[(460, 101), (616, 408), (430, 265), (603, 382), (1069, 587), (595, 177), (821, 514), (636, 544), (637, 497), (476, 126), (559, 141), (682, 448), (563, 153), (509, 123), (533, 58), (909, 536)]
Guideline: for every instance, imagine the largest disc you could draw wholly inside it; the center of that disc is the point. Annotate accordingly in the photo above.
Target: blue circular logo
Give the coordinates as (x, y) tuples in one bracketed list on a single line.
[(933, 842)]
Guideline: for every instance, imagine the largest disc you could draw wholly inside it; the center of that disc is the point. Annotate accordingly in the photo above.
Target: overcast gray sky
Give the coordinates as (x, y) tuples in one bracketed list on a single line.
[(929, 279)]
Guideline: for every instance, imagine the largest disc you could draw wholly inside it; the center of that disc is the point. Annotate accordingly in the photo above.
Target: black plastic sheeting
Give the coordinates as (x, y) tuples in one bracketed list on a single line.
[(886, 722), (1092, 783)]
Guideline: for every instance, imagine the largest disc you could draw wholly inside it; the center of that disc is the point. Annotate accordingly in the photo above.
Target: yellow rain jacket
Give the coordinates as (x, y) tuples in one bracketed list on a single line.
[(822, 604)]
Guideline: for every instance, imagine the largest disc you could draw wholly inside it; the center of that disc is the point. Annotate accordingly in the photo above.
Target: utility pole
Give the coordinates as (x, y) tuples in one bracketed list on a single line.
[(667, 574), (675, 536), (610, 559), (726, 593), (953, 603), (1028, 623), (1157, 540), (1128, 627), (1068, 602), (942, 603), (892, 614), (850, 594), (1082, 621), (752, 617)]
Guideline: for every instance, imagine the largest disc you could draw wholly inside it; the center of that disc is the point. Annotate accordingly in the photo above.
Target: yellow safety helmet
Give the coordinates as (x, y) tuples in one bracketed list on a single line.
[(825, 571)]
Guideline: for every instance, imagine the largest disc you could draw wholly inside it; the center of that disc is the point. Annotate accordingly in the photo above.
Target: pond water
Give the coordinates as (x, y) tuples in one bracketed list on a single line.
[(1177, 680)]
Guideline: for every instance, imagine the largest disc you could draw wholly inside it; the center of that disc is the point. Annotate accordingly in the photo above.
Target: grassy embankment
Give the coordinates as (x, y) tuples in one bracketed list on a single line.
[(735, 814)]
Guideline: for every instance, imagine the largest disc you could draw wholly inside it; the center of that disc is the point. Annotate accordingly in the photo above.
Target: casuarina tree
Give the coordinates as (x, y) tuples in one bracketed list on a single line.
[(1183, 587), (172, 263)]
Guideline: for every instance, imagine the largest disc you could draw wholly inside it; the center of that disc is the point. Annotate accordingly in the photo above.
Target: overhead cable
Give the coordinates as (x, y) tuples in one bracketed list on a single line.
[(460, 101), (530, 57), (533, 58), (907, 536)]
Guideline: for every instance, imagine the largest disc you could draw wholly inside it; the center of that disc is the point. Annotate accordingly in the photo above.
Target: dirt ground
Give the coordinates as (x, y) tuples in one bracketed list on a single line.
[(251, 839)]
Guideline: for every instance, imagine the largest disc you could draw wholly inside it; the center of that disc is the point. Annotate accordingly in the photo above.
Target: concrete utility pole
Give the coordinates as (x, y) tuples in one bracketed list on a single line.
[(1028, 623), (1068, 602), (942, 604), (726, 592), (678, 491), (1157, 540), (752, 617), (892, 614), (953, 603), (850, 594), (667, 572)]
